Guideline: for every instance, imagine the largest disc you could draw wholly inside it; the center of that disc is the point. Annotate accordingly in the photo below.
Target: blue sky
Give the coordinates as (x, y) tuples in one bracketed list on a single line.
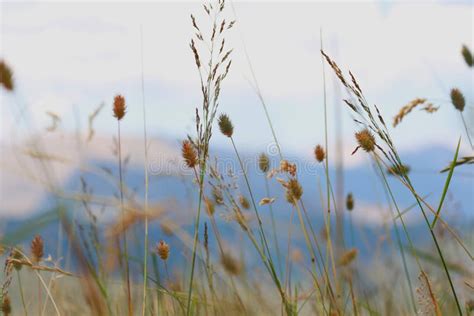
[(69, 57)]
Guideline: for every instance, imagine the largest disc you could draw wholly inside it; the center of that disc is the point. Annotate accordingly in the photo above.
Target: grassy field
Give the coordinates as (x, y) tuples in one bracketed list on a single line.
[(141, 262)]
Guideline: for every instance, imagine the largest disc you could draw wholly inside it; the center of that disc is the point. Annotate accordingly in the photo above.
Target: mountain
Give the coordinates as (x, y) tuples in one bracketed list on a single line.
[(172, 191)]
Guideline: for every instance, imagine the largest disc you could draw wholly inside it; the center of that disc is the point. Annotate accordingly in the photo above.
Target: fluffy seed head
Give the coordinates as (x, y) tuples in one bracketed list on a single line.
[(294, 191), (6, 305), (163, 250), (264, 163), (37, 248), (189, 154), (225, 125), (6, 76), (366, 140), (319, 153), (457, 98), (218, 196), (119, 107), (350, 202), (244, 202), (467, 55), (286, 166)]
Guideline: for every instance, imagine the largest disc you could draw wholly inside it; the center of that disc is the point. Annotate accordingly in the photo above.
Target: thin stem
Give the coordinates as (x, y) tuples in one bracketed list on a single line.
[(145, 259), (388, 191), (127, 271), (277, 248), (467, 130), (260, 225), (196, 232), (21, 293)]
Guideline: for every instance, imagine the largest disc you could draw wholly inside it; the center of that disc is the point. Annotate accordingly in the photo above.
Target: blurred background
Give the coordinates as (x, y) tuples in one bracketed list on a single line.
[(70, 58)]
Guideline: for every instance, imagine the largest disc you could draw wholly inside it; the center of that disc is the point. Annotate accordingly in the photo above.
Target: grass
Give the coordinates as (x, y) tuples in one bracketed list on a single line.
[(236, 257)]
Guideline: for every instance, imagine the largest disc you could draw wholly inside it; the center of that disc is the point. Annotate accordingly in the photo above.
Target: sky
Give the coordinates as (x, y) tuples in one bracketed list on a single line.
[(70, 57)]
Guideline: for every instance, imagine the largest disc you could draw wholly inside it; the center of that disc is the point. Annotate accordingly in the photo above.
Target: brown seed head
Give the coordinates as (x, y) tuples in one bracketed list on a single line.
[(350, 202), (119, 107), (6, 76), (286, 166), (401, 170), (244, 202), (163, 250), (6, 306), (230, 264), (366, 140), (348, 257), (319, 153), (37, 248), (16, 254), (264, 163), (225, 125), (467, 55), (189, 154), (457, 98), (294, 191), (210, 208)]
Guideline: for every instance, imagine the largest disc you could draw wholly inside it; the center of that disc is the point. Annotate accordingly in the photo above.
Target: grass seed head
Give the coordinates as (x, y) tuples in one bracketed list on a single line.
[(6, 305), (457, 98), (294, 191), (189, 154), (119, 107), (217, 196), (286, 166), (350, 202), (163, 250), (230, 264), (319, 153), (366, 140), (244, 202), (37, 248), (210, 208), (263, 163), (225, 125), (348, 257), (467, 55), (16, 254), (6, 76)]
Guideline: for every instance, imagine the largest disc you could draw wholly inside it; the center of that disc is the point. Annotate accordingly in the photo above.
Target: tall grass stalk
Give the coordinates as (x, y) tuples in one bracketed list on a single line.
[(145, 144), (329, 250), (388, 192), (122, 208), (22, 296)]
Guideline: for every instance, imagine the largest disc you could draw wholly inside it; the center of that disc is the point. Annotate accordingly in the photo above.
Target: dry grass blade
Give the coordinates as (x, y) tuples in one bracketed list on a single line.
[(405, 110), (468, 160)]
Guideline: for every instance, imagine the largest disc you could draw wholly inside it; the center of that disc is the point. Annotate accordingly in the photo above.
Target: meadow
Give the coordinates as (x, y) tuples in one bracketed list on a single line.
[(238, 233)]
